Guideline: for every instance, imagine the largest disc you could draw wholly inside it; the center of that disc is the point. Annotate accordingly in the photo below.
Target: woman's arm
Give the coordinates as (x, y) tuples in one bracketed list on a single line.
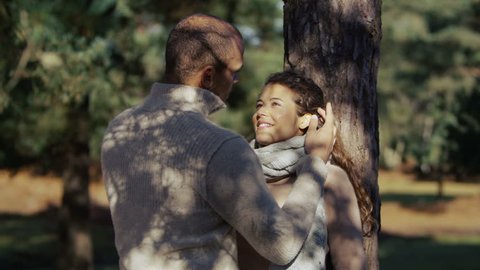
[(344, 224)]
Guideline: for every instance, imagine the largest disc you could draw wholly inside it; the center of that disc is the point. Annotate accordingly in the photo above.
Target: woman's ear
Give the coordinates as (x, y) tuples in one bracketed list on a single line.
[(207, 77), (304, 121)]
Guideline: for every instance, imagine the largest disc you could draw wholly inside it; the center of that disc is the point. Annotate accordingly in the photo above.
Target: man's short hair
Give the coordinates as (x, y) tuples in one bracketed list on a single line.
[(198, 41)]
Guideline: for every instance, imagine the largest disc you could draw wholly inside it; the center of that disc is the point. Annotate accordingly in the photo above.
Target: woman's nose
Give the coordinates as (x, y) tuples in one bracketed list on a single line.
[(261, 112)]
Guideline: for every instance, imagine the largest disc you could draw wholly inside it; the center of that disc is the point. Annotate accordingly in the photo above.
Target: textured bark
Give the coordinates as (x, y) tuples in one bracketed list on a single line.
[(231, 6), (76, 250), (336, 43)]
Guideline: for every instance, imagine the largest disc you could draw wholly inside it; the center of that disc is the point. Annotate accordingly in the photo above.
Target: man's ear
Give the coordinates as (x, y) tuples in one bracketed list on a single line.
[(207, 77), (304, 121)]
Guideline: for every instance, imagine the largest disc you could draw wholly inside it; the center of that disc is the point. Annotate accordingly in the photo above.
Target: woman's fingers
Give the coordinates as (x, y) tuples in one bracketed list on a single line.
[(329, 117), (319, 142), (312, 126), (321, 112)]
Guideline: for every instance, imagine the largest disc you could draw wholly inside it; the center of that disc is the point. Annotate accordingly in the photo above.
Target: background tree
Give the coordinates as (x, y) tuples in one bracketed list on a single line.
[(428, 79), (66, 68), (72, 75), (336, 43)]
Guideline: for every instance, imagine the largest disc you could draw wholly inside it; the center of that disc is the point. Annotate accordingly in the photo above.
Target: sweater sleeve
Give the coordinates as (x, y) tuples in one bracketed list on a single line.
[(236, 189)]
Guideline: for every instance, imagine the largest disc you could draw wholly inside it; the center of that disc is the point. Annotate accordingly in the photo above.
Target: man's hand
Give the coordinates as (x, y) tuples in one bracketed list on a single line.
[(319, 141)]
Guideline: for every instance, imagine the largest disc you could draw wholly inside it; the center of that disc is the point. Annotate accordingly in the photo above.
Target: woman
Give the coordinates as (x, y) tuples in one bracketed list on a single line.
[(283, 113)]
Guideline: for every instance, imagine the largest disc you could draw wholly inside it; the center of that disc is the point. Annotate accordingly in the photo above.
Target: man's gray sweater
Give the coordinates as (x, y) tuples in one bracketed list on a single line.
[(179, 187)]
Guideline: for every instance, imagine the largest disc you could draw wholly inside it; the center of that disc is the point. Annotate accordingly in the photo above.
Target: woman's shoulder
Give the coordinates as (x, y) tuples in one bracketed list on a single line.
[(338, 181), (337, 174)]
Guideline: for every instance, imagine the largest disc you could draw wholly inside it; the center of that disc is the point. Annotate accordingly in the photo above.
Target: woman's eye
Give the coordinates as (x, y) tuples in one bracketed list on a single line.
[(258, 105), (275, 104)]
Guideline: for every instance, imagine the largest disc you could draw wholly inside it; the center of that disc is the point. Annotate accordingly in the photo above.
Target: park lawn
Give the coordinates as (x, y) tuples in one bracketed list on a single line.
[(451, 253), (427, 240), (30, 242), (422, 231)]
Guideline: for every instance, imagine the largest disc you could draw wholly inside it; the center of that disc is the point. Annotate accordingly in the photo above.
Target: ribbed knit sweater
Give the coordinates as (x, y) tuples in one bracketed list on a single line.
[(278, 163), (179, 186)]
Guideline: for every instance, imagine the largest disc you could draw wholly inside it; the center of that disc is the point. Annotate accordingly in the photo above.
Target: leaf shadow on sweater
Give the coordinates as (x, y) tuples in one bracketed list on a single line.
[(154, 164)]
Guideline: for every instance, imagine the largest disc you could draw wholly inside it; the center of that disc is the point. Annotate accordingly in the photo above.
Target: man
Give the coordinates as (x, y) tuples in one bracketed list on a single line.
[(179, 186)]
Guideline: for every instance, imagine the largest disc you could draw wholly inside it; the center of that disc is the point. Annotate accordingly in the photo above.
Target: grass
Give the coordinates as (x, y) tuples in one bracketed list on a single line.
[(29, 241), (394, 182), (459, 253), (418, 204), (26, 242)]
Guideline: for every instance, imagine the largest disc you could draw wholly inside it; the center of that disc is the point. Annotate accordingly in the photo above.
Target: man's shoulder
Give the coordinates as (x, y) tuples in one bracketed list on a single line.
[(121, 116), (225, 138), (210, 128)]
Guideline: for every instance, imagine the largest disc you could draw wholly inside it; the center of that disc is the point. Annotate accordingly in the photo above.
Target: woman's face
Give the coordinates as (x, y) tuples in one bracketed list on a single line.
[(276, 116)]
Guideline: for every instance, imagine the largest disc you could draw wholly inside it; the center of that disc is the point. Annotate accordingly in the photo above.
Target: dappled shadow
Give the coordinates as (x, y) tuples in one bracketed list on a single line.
[(28, 241), (423, 253), (423, 202), (154, 187), (344, 233), (339, 48), (31, 241), (165, 210)]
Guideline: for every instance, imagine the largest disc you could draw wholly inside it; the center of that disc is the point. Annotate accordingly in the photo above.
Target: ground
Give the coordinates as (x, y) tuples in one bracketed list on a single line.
[(409, 208), (419, 229), (412, 208)]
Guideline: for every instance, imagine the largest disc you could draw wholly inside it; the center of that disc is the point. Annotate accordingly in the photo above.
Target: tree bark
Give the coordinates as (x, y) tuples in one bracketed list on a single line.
[(76, 250), (336, 43), (231, 7)]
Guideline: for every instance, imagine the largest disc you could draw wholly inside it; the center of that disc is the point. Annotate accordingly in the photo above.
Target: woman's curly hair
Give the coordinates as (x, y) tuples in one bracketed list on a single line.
[(310, 97)]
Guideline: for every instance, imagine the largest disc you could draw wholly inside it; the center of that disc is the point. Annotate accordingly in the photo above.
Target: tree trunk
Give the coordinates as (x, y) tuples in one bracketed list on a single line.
[(336, 43), (76, 251), (231, 6)]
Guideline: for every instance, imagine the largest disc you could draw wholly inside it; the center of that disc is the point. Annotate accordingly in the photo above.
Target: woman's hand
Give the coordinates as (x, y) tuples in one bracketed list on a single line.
[(319, 141)]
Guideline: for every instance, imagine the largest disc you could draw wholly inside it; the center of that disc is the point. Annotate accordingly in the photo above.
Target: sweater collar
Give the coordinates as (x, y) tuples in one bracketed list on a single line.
[(280, 159), (182, 97)]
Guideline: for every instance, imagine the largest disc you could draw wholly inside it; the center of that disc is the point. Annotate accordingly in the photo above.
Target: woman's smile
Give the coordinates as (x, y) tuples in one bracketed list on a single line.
[(276, 118)]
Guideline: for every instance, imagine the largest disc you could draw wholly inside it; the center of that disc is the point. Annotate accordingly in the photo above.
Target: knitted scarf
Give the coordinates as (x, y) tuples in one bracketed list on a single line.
[(280, 159)]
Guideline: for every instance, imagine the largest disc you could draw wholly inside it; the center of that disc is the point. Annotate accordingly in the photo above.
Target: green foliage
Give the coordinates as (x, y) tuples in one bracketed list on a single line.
[(55, 55), (429, 68), (69, 53), (58, 55)]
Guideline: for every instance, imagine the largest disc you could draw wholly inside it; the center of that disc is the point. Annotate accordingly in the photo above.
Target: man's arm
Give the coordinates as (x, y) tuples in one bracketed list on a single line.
[(236, 189)]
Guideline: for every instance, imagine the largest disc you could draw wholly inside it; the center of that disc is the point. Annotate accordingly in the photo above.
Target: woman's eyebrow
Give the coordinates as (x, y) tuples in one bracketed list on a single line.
[(271, 99), (276, 98)]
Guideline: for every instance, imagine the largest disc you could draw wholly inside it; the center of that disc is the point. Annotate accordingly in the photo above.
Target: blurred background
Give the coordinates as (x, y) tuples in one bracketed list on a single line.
[(67, 67)]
